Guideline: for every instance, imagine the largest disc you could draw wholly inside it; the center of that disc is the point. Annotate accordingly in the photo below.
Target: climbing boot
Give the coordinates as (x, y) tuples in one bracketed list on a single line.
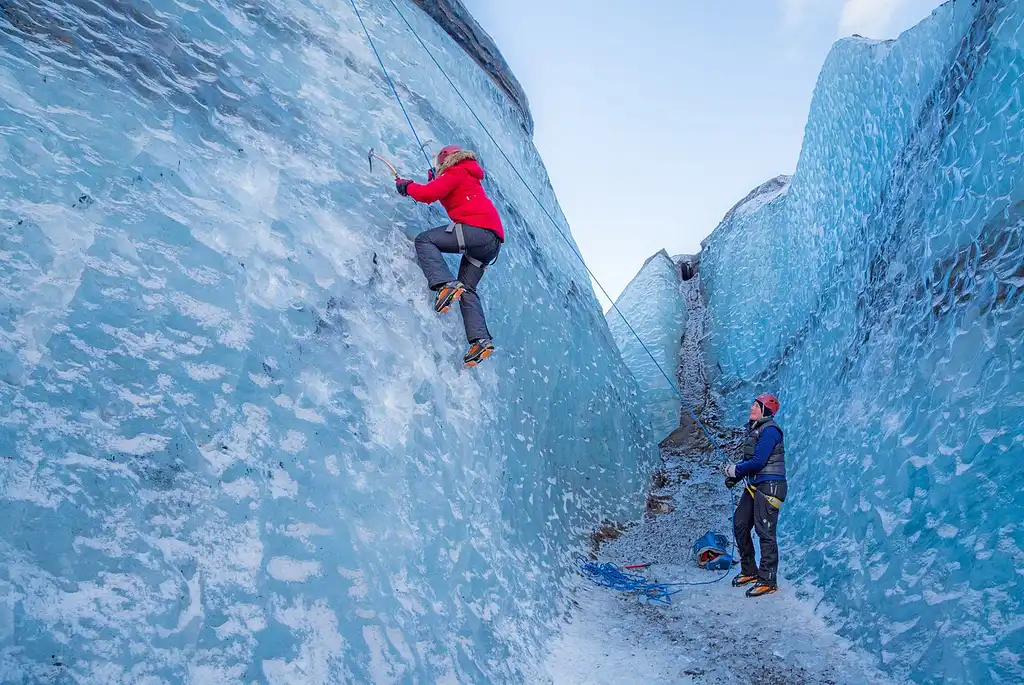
[(762, 589), (741, 580), (479, 350), (447, 295)]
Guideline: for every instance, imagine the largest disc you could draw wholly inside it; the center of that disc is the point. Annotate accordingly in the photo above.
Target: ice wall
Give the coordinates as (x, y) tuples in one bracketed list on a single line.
[(236, 444), (881, 298), (654, 308), (456, 20)]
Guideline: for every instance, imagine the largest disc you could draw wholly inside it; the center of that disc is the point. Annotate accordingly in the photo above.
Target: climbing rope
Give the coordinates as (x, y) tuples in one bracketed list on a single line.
[(390, 82), (652, 591), (611, 576)]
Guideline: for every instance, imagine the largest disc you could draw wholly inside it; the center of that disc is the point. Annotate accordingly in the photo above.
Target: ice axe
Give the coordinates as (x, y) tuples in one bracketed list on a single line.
[(370, 156), (423, 147)]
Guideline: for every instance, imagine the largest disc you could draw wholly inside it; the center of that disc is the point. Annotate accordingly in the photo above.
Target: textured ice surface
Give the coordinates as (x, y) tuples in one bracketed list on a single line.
[(653, 305), (236, 445), (758, 198), (881, 298), (456, 20)]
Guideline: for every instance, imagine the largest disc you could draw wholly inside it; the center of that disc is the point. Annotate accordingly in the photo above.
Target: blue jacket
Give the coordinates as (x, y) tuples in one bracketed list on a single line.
[(770, 437)]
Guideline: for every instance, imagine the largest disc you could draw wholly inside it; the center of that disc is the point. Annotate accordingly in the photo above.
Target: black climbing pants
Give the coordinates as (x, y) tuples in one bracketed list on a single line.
[(482, 245), (758, 514)]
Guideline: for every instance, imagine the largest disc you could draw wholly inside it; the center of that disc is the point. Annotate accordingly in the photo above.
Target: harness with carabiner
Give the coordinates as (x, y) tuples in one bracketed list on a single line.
[(461, 237), (775, 502)]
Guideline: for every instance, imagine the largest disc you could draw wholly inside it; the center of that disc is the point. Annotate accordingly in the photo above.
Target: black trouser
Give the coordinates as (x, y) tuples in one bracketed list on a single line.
[(758, 514), (482, 245)]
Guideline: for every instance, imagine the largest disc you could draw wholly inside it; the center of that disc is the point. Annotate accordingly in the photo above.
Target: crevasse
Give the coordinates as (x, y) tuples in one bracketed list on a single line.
[(236, 444)]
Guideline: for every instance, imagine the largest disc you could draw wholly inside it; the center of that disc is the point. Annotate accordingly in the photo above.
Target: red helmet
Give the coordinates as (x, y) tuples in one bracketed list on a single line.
[(446, 152), (769, 402)]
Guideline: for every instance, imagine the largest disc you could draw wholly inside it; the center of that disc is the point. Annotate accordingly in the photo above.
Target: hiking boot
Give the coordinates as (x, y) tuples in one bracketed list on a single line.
[(741, 580), (479, 350), (447, 295), (762, 589)]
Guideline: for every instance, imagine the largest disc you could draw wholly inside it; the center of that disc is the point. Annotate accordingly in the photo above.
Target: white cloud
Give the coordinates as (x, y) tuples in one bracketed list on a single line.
[(871, 18)]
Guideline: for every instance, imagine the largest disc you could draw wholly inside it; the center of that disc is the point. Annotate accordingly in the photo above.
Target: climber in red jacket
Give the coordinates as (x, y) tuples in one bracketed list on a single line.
[(475, 232)]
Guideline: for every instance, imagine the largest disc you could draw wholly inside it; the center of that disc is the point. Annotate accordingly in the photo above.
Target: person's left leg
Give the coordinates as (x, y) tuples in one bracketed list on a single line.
[(483, 246), (770, 495)]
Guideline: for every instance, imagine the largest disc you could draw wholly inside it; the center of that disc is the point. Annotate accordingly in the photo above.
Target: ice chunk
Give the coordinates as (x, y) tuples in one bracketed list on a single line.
[(652, 307)]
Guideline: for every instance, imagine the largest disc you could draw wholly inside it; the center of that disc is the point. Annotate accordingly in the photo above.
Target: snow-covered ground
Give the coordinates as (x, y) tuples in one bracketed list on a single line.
[(710, 633)]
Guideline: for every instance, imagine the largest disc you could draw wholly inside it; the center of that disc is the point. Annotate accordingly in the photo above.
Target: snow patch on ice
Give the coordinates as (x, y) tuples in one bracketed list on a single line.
[(139, 445), (204, 372), (292, 570)]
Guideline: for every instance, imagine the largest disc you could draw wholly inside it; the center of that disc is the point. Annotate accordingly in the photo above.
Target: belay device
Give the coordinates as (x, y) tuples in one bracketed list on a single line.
[(712, 552)]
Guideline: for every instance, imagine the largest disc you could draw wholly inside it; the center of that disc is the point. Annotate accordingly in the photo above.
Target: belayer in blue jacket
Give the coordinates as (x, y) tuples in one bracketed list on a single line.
[(764, 468)]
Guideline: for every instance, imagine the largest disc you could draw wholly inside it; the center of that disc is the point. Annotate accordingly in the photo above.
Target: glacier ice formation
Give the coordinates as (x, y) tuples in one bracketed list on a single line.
[(236, 445)]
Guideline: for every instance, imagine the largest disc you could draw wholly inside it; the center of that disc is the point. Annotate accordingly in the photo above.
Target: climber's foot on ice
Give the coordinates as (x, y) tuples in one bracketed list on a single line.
[(741, 580), (447, 295), (479, 350), (761, 589)]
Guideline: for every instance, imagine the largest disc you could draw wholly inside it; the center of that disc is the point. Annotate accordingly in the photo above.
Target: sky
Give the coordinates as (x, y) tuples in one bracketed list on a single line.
[(654, 117)]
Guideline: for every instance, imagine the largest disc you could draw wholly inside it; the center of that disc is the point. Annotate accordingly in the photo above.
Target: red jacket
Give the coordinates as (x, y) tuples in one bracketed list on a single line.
[(461, 194)]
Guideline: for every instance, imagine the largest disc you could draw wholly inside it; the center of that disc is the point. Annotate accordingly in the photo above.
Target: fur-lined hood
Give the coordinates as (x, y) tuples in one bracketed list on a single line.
[(456, 158)]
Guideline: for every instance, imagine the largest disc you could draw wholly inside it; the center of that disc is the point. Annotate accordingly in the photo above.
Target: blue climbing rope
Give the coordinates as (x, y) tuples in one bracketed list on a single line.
[(611, 576), (390, 82), (558, 228)]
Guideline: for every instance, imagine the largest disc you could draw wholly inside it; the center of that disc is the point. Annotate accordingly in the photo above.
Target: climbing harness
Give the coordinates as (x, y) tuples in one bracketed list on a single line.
[(774, 502), (460, 236)]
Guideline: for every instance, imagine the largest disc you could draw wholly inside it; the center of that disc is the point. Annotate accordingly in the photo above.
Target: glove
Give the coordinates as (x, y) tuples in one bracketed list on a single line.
[(431, 175), (731, 482), (402, 186), (730, 471)]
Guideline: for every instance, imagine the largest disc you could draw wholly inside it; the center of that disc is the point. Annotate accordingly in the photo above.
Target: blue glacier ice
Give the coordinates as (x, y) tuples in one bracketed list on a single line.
[(464, 30), (890, 322), (647, 323), (236, 444)]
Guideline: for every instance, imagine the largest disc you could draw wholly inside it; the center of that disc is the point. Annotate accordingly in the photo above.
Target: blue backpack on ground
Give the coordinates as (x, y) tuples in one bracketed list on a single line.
[(712, 552)]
